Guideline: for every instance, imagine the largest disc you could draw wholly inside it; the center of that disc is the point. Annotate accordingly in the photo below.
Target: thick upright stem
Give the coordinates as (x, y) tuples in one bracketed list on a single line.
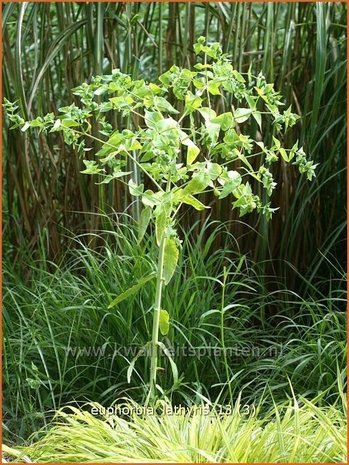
[(156, 321), (225, 276)]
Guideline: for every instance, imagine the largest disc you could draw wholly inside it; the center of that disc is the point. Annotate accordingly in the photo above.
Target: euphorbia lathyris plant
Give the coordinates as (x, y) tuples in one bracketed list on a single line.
[(176, 139)]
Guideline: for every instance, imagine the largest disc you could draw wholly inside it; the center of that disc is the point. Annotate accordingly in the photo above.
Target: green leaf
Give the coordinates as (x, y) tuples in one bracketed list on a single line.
[(69, 123), (135, 190), (170, 259), (112, 145), (143, 222), (246, 201), (150, 198), (277, 143), (132, 364), (133, 144), (106, 179), (213, 170), (164, 322), (124, 101), (190, 200), (201, 66), (166, 124), (160, 223), (197, 184), (180, 196), (252, 101), (283, 153), (25, 126), (225, 120), (258, 117), (115, 175), (242, 114), (155, 88), (213, 87), (163, 105), (101, 90), (120, 174), (165, 78), (238, 76), (151, 118), (110, 155), (56, 126), (132, 290), (91, 167), (207, 113), (199, 44), (192, 152), (231, 182), (212, 130), (192, 102), (172, 363), (37, 123), (199, 83)]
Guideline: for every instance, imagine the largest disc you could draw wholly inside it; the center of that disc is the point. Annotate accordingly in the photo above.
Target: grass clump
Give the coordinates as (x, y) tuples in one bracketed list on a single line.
[(298, 431)]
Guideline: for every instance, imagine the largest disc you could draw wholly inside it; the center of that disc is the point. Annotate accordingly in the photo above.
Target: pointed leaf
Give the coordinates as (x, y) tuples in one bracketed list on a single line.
[(192, 152), (170, 259), (242, 114), (134, 189), (190, 200), (163, 105), (132, 290), (152, 117), (213, 88), (197, 184), (230, 183), (207, 113), (213, 170), (192, 102), (238, 76), (225, 120), (160, 224), (172, 363), (132, 364), (257, 116), (283, 153), (150, 198), (143, 222)]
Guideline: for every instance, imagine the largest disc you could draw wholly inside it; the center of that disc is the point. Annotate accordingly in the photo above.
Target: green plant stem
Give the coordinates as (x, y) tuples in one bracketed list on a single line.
[(225, 276), (156, 321)]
